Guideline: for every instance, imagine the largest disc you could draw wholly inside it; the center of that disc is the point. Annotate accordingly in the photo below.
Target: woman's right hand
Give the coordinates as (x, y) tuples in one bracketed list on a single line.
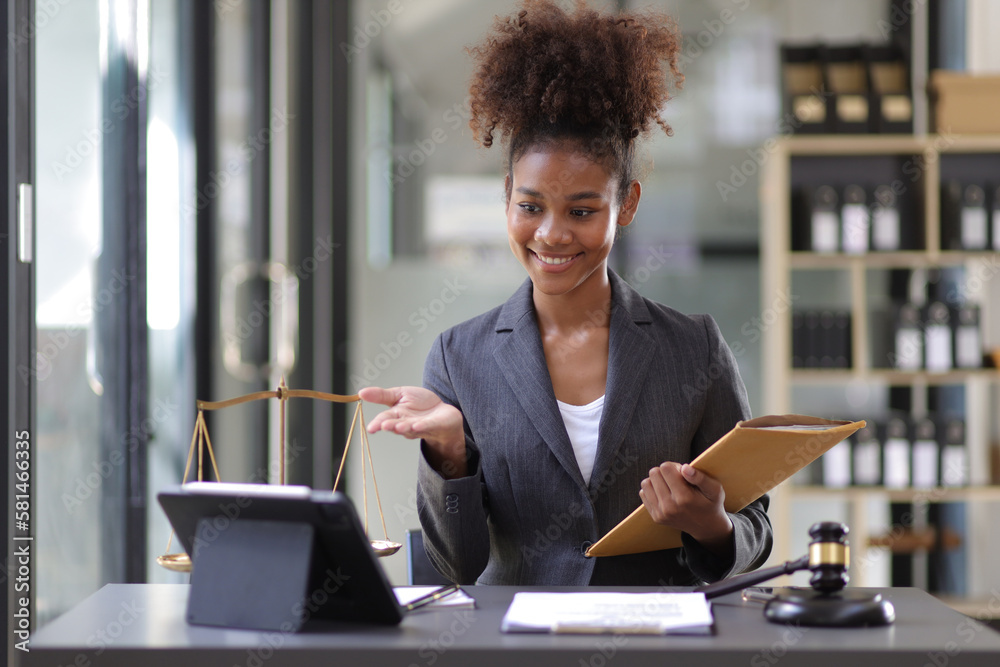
[(415, 412)]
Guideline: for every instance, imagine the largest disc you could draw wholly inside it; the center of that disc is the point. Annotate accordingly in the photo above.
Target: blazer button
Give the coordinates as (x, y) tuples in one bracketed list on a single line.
[(583, 548), (452, 497)]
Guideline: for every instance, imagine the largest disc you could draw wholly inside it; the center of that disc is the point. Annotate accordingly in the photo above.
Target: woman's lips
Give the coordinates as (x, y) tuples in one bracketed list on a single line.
[(554, 263)]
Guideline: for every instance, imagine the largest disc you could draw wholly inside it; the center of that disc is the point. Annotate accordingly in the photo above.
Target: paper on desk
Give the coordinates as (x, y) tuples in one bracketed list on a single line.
[(407, 594), (599, 613)]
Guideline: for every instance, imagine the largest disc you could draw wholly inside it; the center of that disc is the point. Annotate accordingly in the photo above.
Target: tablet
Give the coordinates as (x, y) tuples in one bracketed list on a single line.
[(255, 548)]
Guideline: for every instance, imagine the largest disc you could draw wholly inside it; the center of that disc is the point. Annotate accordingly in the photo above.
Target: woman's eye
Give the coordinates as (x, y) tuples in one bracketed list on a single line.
[(580, 213), (529, 208)]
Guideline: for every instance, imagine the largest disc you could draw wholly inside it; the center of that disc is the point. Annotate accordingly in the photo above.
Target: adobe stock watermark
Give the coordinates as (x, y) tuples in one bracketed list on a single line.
[(87, 484), (272, 641), (376, 21), (261, 309), (966, 630), (752, 330), (404, 167), (419, 320), (45, 11), (248, 150), (432, 650), (562, 522), (899, 17), (771, 655), (656, 259), (694, 48), (57, 341), (120, 108), (104, 638), (740, 175)]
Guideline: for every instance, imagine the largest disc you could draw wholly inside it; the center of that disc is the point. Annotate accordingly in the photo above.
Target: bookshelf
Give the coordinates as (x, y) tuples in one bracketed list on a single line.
[(782, 384)]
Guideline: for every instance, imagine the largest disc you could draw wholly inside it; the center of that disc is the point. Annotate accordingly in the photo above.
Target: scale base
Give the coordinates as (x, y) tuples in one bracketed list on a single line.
[(851, 608)]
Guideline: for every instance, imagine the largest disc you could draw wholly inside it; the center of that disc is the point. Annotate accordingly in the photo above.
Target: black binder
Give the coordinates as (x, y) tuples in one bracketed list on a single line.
[(806, 107), (891, 101), (846, 77)]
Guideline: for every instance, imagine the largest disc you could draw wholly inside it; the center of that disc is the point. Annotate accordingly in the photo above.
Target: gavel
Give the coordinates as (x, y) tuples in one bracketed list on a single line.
[(826, 603)]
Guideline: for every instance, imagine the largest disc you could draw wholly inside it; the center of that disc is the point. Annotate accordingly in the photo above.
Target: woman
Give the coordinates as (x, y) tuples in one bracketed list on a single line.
[(545, 421)]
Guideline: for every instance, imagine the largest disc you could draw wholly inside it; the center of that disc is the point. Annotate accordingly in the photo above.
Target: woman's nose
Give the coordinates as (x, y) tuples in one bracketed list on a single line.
[(552, 231)]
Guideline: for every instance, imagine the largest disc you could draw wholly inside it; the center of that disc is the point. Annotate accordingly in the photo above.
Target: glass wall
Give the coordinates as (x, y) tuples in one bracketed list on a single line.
[(70, 468)]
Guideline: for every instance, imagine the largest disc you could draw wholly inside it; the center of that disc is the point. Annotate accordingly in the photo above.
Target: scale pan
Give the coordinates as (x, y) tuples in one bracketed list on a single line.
[(175, 562), (385, 547)]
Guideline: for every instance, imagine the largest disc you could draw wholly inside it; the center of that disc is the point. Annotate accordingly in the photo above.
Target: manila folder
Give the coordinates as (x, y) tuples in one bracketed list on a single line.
[(750, 460)]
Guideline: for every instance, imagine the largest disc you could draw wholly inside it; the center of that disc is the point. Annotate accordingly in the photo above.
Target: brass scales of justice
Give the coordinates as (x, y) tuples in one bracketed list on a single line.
[(200, 441)]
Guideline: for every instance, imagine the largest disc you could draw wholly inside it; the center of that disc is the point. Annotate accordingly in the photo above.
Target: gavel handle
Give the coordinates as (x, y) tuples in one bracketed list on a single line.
[(742, 581)]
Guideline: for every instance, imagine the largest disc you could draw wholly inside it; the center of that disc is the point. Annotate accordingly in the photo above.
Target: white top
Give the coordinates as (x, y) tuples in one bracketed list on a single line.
[(582, 423)]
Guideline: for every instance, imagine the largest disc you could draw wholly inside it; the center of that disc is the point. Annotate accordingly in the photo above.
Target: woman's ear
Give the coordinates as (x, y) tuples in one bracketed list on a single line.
[(630, 205)]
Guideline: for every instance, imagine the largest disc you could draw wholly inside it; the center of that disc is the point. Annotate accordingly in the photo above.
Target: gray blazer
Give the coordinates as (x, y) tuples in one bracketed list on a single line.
[(524, 515)]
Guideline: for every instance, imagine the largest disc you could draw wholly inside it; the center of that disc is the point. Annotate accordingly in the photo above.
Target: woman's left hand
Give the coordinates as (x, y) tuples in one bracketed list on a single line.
[(679, 496)]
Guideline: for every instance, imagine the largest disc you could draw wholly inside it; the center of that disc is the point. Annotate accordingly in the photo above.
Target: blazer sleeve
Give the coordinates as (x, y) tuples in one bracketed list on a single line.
[(725, 404), (453, 512)]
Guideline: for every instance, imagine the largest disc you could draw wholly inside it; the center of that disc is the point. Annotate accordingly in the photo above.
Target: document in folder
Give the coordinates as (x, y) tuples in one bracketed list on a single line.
[(750, 460)]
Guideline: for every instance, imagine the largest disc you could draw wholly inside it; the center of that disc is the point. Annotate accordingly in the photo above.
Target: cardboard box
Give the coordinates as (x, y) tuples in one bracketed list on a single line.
[(965, 103)]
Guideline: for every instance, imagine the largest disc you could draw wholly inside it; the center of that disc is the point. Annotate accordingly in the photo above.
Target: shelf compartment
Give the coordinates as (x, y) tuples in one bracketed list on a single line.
[(890, 377), (907, 259)]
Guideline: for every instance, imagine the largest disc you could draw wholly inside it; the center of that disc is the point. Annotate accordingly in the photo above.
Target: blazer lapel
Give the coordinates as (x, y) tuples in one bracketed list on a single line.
[(520, 355), (629, 354)]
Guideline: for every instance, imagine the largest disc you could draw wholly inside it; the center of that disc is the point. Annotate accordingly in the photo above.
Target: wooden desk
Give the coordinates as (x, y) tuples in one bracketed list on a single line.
[(143, 625)]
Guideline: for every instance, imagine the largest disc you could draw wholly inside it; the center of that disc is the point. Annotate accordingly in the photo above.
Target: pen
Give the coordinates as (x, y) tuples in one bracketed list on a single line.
[(433, 596), (758, 594)]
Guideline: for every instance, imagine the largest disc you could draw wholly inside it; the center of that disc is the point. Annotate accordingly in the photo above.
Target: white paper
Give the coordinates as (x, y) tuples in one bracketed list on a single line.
[(800, 427), (249, 490), (599, 613), (407, 594)]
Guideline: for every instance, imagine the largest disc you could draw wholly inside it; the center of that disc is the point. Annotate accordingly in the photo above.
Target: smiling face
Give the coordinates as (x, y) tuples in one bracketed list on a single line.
[(562, 214)]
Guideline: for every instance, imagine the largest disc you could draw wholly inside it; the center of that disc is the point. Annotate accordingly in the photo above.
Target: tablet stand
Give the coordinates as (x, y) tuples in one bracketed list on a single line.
[(251, 574)]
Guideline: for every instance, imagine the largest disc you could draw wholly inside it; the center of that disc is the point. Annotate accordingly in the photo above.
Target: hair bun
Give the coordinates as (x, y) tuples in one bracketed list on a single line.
[(546, 70)]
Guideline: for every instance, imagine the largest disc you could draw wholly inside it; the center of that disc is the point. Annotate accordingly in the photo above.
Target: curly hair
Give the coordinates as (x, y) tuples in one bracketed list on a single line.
[(595, 79)]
